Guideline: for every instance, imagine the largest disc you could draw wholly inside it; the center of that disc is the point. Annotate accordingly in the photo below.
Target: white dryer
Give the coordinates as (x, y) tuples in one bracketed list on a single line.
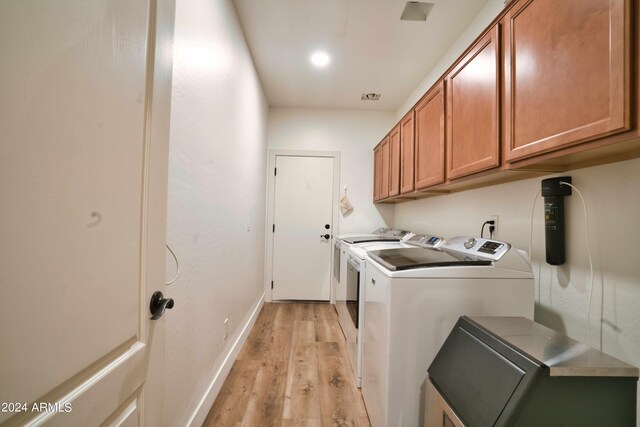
[(413, 298), (380, 233), (341, 250), (351, 312)]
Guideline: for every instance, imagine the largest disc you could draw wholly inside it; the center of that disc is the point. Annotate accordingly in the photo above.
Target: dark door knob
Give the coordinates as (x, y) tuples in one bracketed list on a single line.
[(159, 304), (327, 226), (326, 236)]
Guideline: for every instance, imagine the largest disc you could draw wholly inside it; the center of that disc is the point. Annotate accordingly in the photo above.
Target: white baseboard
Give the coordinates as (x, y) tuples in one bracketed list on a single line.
[(200, 414)]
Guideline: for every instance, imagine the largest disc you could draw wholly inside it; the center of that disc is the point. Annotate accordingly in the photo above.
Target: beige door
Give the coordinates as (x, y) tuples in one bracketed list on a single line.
[(303, 207), (83, 170)]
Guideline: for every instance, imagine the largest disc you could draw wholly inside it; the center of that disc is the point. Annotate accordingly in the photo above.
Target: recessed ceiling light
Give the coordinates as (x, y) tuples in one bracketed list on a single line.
[(320, 59)]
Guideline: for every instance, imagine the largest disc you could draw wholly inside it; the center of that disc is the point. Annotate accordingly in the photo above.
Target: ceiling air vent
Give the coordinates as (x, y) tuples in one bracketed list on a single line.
[(370, 96), (416, 11)]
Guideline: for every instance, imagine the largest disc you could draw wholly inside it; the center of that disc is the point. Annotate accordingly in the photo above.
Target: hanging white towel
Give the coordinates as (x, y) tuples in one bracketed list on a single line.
[(345, 206)]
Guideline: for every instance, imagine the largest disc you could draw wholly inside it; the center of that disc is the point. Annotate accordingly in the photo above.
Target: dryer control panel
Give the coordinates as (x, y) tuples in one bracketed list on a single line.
[(425, 241), (381, 231), (395, 232), (477, 247)]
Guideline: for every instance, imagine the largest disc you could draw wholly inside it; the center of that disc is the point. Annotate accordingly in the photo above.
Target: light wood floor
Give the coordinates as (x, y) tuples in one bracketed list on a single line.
[(293, 370)]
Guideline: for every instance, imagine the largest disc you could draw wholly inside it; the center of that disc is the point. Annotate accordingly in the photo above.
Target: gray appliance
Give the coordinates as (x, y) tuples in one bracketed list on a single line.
[(511, 371)]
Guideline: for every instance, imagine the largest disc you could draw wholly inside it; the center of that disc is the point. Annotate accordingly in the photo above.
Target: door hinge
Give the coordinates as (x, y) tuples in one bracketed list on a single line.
[(272, 284), (275, 171), (274, 228)]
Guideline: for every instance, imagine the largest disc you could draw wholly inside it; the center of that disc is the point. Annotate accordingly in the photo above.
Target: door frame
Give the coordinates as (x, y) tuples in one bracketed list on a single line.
[(268, 229)]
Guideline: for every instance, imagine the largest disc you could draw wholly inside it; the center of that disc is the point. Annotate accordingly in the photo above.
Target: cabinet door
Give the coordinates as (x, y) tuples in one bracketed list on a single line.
[(377, 173), (473, 131), (384, 169), (394, 161), (566, 73), (406, 153), (430, 139)]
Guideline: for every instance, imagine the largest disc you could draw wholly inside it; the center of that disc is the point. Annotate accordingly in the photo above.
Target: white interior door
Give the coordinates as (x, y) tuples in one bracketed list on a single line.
[(303, 208), (83, 167)]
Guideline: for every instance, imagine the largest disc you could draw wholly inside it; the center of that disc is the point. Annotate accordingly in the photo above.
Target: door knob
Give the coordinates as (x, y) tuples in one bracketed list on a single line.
[(159, 304), (327, 226), (326, 236)]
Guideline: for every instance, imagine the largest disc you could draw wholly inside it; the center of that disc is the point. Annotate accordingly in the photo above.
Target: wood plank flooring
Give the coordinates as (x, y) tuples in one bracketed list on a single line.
[(293, 371)]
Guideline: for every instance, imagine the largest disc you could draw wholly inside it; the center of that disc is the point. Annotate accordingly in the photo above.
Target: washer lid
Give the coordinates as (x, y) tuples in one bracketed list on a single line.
[(408, 258), (360, 250), (370, 238)]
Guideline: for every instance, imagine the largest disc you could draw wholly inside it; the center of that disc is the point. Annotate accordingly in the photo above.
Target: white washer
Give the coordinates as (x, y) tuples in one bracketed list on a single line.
[(351, 312), (414, 297)]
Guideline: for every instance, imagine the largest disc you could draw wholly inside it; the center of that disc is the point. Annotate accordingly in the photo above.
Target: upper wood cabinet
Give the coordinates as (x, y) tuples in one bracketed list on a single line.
[(406, 153), (377, 172), (430, 138), (473, 108), (394, 161), (550, 84), (384, 169), (567, 67), (381, 164)]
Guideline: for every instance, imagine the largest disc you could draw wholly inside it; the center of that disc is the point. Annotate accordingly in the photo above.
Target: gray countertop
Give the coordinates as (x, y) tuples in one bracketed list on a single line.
[(563, 355)]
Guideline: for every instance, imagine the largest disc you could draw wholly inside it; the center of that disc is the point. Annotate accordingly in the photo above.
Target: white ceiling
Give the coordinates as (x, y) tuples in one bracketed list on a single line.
[(371, 49)]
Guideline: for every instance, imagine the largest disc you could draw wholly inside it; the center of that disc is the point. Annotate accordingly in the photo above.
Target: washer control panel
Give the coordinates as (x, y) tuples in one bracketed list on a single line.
[(469, 243), (478, 247), (425, 241)]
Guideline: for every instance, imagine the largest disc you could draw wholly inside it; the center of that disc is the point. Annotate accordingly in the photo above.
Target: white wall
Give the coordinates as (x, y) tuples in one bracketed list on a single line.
[(216, 197), (353, 133)]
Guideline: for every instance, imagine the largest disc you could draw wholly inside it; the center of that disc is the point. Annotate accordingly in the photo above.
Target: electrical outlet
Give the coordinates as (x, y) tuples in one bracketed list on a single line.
[(226, 329), (494, 218)]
